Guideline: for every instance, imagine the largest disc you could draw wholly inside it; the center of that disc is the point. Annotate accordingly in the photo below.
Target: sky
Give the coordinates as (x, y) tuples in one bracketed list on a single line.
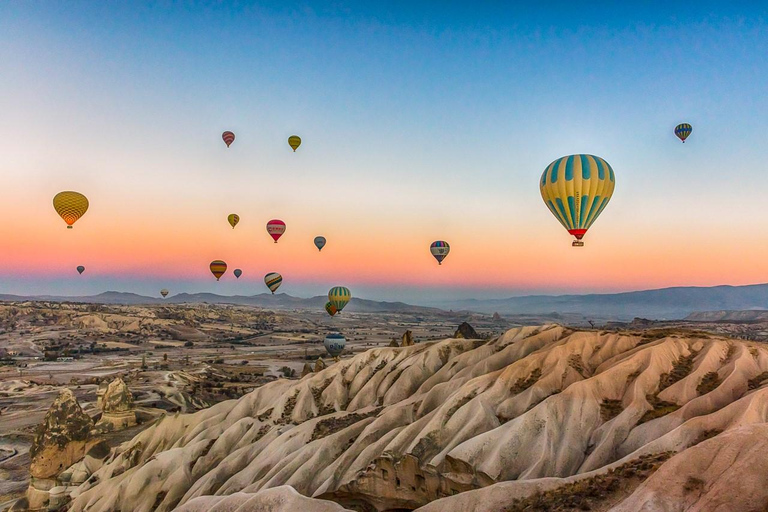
[(418, 124)]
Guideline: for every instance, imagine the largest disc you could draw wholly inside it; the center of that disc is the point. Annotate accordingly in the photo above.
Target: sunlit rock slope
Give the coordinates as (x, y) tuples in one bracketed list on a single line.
[(569, 418)]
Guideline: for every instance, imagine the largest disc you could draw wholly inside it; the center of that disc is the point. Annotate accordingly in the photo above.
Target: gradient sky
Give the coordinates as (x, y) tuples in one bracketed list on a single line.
[(418, 123)]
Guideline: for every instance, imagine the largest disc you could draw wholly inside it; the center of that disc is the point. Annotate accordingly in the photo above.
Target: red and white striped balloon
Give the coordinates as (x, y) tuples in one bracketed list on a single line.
[(275, 228), (228, 138)]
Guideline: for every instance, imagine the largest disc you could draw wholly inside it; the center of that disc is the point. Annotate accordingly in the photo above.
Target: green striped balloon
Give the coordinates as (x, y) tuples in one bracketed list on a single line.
[(339, 296)]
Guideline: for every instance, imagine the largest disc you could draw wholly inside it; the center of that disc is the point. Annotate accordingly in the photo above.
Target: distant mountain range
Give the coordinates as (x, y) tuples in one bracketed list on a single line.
[(263, 300), (662, 304), (666, 303)]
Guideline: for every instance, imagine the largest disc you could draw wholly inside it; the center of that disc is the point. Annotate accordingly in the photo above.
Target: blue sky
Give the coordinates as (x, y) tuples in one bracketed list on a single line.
[(425, 122)]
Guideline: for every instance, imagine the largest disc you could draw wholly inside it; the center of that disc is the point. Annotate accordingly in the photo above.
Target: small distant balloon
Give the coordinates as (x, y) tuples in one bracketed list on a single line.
[(164, 292), (319, 242), (273, 280), (330, 309), (238, 273), (339, 296), (335, 343), (228, 138), (440, 250), (70, 206), (80, 269), (233, 219), (275, 228), (682, 131), (218, 268), (294, 141)]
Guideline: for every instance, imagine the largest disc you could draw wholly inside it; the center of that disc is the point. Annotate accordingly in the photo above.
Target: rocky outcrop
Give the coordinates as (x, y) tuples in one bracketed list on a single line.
[(118, 410), (407, 339), (319, 365), (306, 370), (497, 317), (466, 331), (60, 441)]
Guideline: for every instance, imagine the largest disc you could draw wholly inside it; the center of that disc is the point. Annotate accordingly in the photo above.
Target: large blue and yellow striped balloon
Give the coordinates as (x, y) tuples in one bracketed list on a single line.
[(339, 297), (576, 189)]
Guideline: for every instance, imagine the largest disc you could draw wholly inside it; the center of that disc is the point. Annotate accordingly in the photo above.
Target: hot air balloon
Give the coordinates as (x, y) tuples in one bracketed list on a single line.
[(164, 292), (80, 269), (294, 141), (576, 189), (218, 268), (233, 219), (335, 343), (330, 309), (439, 250), (273, 280), (339, 297), (70, 206), (238, 273), (319, 242), (683, 131), (275, 228), (228, 138)]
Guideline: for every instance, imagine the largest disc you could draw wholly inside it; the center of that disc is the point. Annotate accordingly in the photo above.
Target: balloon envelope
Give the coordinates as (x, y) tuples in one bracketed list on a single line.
[(218, 268), (294, 141), (576, 189), (330, 309), (335, 343), (683, 130), (80, 269), (275, 228), (233, 219), (319, 242), (273, 281), (228, 138), (439, 250), (339, 296), (238, 273), (164, 292), (70, 206)]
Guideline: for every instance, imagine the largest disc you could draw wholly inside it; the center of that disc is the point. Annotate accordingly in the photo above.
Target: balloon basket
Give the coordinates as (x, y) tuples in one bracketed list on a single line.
[(577, 243)]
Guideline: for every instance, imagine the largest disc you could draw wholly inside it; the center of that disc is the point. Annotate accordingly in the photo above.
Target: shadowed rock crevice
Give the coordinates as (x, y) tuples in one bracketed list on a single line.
[(592, 493), (328, 426), (391, 483), (524, 383)]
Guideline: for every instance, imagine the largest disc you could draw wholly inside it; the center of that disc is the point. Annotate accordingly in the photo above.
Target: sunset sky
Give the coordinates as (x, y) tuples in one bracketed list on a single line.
[(418, 124)]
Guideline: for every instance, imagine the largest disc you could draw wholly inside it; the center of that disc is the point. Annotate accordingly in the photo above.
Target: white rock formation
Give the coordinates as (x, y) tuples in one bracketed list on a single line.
[(535, 409)]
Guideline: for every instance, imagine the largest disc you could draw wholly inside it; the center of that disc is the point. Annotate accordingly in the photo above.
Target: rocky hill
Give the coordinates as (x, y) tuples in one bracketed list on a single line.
[(750, 315), (661, 304), (541, 418)]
